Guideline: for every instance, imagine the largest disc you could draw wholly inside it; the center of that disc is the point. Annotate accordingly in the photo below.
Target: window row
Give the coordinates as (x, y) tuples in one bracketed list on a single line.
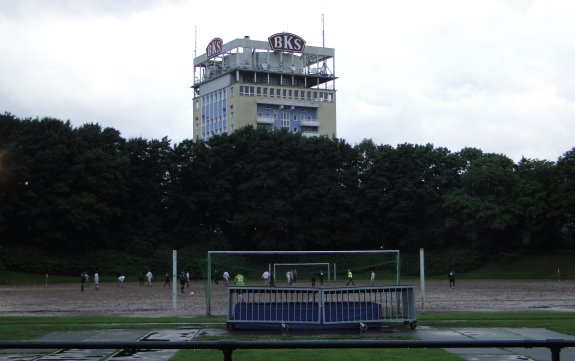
[(284, 93), (276, 115)]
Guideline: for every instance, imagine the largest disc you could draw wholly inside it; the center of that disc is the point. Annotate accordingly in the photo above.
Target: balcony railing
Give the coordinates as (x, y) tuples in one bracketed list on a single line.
[(309, 123), (310, 134), (264, 120)]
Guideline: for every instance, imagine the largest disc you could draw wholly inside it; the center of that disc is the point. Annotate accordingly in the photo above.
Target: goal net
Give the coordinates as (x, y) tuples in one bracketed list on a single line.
[(301, 271), (326, 268)]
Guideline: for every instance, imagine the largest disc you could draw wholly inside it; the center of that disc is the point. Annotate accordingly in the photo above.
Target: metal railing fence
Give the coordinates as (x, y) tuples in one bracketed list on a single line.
[(228, 346), (321, 306)]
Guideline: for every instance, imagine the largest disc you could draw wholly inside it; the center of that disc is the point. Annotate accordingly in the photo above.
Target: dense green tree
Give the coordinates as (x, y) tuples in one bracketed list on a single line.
[(280, 190), (77, 189), (144, 203), (98, 177), (325, 195), (40, 160), (67, 184), (9, 169), (565, 199), (535, 188), (254, 176), (9, 129), (481, 210), (402, 191), (192, 208)]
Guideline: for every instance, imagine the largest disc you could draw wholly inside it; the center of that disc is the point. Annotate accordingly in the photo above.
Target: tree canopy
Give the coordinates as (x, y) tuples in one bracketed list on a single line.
[(87, 187)]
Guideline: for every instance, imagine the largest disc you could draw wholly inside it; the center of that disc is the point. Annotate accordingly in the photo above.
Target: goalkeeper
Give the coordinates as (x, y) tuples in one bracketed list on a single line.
[(350, 278), (240, 280)]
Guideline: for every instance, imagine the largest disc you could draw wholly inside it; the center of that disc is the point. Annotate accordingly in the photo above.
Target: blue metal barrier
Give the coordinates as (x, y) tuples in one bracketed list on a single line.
[(320, 308)]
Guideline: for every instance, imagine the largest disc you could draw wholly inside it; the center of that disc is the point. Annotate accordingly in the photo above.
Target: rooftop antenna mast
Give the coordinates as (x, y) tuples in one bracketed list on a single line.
[(324, 65), (195, 53), (322, 32), (195, 40)]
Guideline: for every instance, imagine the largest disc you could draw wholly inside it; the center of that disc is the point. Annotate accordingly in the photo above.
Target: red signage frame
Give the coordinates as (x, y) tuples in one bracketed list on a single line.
[(287, 42), (214, 48)]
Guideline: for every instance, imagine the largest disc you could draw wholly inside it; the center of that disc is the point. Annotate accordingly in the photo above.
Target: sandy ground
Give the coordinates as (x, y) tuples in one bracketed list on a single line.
[(156, 301)]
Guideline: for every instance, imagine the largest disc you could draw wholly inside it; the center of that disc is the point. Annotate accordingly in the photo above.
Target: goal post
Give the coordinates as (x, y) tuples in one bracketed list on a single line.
[(385, 264)]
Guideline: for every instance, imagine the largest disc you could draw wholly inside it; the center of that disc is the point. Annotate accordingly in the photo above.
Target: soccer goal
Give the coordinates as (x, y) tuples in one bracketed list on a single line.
[(331, 266)]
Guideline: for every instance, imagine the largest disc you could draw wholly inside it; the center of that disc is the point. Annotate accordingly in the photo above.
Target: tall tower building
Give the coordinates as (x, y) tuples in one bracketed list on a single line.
[(277, 84)]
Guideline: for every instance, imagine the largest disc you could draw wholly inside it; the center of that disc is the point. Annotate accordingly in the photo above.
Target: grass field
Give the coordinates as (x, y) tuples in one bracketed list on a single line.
[(26, 328), (23, 328)]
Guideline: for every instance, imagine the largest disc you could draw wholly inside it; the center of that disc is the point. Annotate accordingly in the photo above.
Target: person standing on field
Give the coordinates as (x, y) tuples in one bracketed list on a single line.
[(83, 280), (451, 278), (167, 279), (226, 278), (372, 277), (182, 278), (96, 280), (240, 281), (149, 277), (121, 280), (141, 278), (350, 278), (266, 278), (289, 277)]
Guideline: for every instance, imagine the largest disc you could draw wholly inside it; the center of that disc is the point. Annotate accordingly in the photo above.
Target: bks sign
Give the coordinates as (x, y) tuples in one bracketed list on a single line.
[(214, 48), (286, 42)]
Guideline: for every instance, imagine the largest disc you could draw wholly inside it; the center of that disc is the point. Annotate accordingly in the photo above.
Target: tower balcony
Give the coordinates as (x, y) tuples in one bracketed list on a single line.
[(309, 134), (309, 123), (264, 120)]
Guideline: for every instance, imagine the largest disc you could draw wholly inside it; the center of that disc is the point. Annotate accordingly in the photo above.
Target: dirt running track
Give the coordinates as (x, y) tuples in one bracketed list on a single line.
[(156, 301)]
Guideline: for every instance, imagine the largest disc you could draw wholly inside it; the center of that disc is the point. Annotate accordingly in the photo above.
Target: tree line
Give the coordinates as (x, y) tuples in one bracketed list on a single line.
[(86, 188)]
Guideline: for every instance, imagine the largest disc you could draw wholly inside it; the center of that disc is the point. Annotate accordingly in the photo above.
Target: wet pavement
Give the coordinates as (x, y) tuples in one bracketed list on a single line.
[(104, 354), (498, 354), (421, 333)]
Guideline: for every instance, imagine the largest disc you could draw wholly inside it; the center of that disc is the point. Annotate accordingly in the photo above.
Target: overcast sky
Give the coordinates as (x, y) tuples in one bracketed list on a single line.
[(495, 75)]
